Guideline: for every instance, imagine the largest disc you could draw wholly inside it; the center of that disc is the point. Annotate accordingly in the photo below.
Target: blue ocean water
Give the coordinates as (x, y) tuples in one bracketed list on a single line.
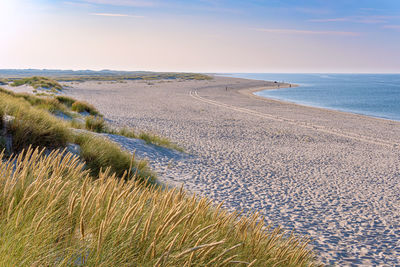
[(376, 95)]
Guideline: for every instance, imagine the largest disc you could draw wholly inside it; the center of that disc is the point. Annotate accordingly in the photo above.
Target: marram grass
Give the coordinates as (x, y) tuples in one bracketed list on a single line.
[(53, 214), (38, 82)]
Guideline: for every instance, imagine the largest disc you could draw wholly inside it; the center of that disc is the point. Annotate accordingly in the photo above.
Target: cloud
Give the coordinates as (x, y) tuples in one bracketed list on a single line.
[(308, 32), (329, 20), (396, 27), (356, 19), (130, 3), (114, 15)]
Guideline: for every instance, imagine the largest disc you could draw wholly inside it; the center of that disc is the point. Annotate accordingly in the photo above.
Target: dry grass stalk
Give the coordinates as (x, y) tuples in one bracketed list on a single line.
[(107, 222)]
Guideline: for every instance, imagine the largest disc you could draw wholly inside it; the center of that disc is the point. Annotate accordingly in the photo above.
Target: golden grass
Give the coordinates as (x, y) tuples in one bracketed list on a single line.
[(53, 214)]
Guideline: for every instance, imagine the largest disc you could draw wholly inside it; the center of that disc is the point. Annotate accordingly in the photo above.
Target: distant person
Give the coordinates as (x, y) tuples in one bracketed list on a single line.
[(226, 88)]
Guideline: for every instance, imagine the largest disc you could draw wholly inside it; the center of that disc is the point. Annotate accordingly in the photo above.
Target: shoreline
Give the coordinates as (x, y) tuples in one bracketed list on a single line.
[(250, 93)]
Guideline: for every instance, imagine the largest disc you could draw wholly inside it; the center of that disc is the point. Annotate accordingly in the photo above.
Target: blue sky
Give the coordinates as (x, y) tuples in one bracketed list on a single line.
[(202, 35)]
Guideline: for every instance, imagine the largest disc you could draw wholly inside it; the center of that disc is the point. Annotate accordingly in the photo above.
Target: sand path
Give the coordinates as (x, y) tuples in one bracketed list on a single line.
[(331, 175)]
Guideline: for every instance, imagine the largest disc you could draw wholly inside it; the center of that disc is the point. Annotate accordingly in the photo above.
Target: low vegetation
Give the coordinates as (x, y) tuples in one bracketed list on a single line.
[(36, 127), (99, 153), (38, 82), (150, 138), (68, 105), (32, 125), (53, 214), (95, 124), (145, 76), (81, 106), (66, 100)]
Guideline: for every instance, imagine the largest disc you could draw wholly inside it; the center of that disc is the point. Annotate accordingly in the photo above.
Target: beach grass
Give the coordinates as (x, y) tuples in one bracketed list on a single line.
[(38, 82), (148, 76), (66, 100), (32, 126), (53, 213), (82, 106), (100, 153), (148, 137), (95, 124), (151, 138)]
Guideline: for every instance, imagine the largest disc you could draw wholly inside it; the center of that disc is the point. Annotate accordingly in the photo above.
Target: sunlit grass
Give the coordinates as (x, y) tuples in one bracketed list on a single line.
[(53, 214)]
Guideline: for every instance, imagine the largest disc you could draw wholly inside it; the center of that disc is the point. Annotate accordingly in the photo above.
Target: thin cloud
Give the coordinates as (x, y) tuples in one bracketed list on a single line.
[(115, 15), (329, 20), (356, 19), (130, 3), (308, 32), (396, 27)]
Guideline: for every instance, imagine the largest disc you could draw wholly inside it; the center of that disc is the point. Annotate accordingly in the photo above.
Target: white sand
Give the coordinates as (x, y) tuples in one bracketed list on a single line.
[(334, 176)]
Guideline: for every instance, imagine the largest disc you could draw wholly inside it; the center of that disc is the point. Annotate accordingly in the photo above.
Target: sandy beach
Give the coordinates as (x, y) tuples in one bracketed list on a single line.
[(331, 175)]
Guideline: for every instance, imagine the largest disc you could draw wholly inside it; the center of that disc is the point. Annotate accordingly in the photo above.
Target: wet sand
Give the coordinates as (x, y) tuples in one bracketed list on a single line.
[(331, 175)]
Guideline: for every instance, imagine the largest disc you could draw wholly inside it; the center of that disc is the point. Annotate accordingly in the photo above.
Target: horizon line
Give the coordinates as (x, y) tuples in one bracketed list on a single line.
[(209, 72)]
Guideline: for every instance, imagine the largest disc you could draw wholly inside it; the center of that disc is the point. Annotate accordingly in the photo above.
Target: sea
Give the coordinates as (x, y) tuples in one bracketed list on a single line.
[(375, 95)]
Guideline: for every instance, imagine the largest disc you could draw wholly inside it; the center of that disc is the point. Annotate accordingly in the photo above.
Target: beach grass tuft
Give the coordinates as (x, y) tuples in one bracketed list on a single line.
[(95, 124), (100, 153), (53, 213), (151, 138), (82, 106)]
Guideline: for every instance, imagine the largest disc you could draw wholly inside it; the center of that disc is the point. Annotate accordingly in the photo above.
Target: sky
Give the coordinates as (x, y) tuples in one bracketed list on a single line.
[(357, 36)]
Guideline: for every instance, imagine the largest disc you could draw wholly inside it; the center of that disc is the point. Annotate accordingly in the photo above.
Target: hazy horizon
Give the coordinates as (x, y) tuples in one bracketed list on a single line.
[(218, 36), (202, 72)]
